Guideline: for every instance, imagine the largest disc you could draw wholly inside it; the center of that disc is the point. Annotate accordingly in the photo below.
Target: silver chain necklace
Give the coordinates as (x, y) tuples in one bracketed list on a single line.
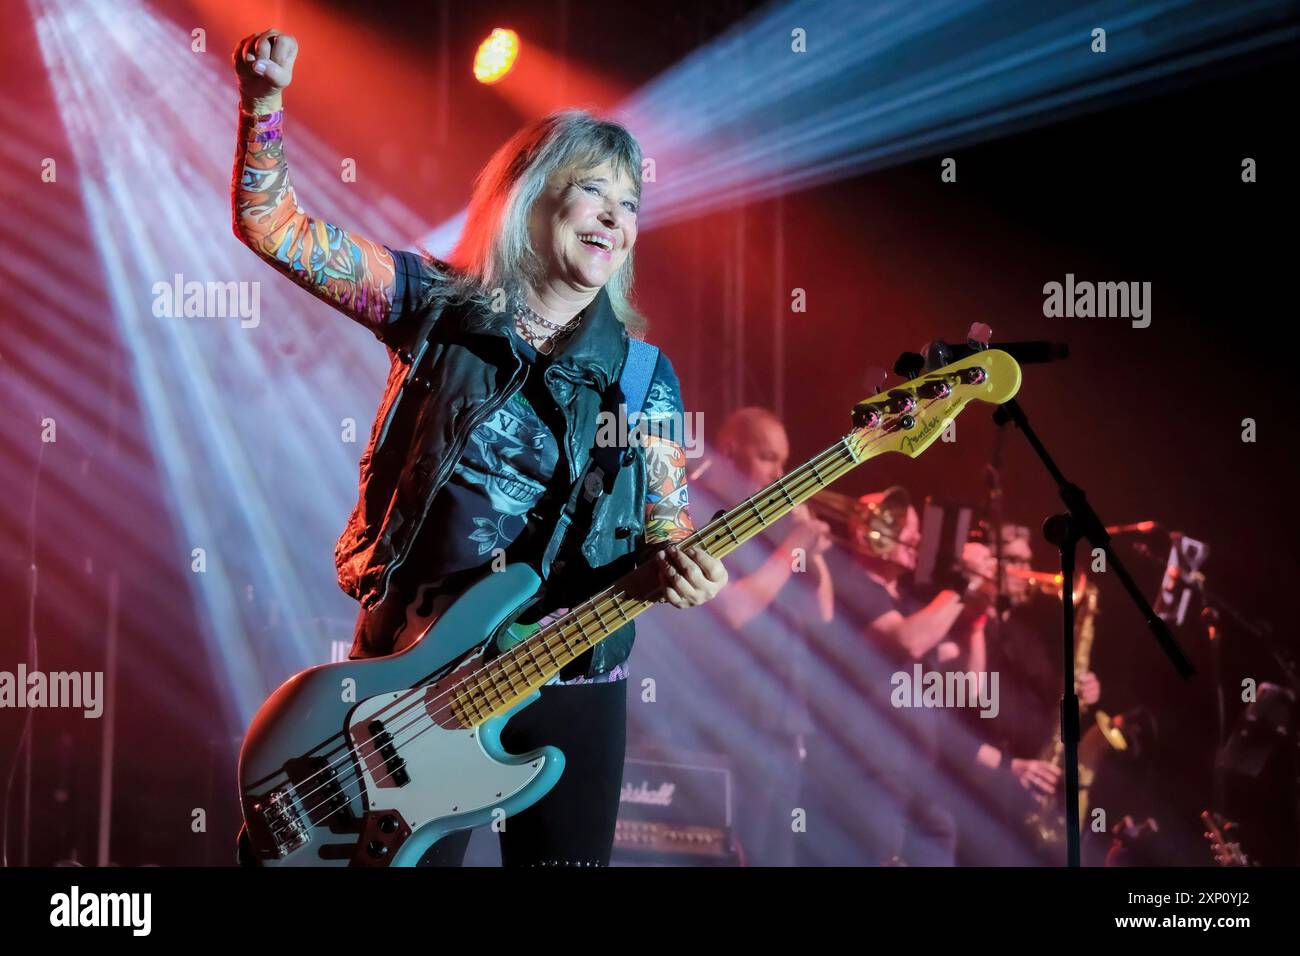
[(527, 323)]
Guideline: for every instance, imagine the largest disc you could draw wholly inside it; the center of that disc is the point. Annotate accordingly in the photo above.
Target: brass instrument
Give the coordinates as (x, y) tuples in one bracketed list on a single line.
[(869, 525), (1049, 583), (1047, 819)]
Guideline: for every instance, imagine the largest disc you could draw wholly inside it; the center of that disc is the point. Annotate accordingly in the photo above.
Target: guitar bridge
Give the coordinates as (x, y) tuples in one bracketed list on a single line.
[(276, 821)]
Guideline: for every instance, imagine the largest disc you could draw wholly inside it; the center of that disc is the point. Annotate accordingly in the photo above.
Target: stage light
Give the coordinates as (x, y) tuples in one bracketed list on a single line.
[(236, 415), (746, 117), (496, 56)]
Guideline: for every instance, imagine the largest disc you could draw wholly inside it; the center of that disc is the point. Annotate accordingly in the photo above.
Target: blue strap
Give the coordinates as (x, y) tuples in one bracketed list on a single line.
[(638, 370), (633, 388)]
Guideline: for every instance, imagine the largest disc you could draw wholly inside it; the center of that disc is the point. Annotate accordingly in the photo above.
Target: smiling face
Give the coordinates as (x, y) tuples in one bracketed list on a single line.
[(583, 225)]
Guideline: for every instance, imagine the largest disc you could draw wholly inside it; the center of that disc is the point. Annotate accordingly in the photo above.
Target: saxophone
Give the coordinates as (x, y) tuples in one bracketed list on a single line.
[(1046, 820)]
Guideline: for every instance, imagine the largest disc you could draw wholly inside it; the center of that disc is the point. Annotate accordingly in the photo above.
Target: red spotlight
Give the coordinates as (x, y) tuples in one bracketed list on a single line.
[(496, 56)]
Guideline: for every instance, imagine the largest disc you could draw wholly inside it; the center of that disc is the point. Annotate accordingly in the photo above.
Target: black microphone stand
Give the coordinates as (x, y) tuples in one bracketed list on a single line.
[(1213, 607), (1080, 522), (1003, 603)]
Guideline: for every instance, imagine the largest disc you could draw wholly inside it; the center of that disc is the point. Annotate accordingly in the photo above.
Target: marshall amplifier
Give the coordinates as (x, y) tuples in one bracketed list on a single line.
[(674, 810)]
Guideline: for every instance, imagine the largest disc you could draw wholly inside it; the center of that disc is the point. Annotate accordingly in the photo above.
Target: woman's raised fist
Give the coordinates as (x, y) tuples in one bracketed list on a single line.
[(264, 65)]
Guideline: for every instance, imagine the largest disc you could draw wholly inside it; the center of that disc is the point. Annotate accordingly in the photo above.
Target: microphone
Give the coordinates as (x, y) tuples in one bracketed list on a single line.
[(1138, 527), (1037, 352), (940, 353)]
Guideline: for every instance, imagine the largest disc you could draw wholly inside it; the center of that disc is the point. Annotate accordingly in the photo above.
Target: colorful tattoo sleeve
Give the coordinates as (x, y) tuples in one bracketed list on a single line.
[(667, 514), (350, 272)]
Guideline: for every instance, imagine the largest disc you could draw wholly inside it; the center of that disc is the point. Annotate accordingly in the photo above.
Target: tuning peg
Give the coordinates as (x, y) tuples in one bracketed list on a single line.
[(909, 365), (865, 415), (979, 335), (936, 354)]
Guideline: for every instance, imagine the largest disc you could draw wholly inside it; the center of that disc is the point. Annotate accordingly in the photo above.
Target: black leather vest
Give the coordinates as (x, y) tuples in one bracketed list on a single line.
[(450, 372)]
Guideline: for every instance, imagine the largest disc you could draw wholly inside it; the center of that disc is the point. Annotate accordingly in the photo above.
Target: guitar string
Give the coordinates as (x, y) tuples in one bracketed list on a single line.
[(592, 606)]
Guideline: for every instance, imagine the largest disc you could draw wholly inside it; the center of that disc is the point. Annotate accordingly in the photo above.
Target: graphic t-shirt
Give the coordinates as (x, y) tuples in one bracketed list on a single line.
[(510, 484), (508, 466)]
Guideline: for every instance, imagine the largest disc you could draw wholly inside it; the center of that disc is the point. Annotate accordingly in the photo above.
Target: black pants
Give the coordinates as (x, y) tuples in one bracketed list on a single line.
[(573, 825)]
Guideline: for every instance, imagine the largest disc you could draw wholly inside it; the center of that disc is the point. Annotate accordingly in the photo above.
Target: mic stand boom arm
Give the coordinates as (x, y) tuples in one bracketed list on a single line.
[(1080, 522)]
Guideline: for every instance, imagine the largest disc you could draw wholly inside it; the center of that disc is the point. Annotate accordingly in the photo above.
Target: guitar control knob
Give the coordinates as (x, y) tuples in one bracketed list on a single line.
[(376, 849), (388, 823)]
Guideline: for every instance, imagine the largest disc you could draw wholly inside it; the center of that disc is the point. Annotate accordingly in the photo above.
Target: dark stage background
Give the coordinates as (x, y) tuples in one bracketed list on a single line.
[(1145, 186)]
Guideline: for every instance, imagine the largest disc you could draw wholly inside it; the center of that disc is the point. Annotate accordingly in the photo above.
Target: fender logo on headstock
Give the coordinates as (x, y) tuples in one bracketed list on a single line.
[(917, 439)]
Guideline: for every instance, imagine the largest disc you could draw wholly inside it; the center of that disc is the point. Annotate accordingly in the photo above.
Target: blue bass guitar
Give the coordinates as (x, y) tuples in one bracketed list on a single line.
[(368, 763)]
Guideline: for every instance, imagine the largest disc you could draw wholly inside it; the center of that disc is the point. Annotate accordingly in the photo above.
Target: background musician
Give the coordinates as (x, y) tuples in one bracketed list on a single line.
[(1023, 647), (779, 597), (907, 764)]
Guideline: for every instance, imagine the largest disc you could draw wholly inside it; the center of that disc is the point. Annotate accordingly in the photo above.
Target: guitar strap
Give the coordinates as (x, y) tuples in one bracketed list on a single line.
[(603, 463)]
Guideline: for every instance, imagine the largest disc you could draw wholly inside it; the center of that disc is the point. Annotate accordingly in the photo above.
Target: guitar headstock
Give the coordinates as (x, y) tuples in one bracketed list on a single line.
[(910, 417)]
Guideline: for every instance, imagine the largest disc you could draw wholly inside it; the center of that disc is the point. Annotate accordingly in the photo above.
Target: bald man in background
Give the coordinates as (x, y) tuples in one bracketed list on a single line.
[(780, 593)]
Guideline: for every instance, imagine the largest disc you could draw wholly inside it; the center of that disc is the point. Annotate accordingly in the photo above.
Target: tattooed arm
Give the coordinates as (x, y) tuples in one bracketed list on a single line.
[(688, 578), (352, 273), (357, 276), (667, 514)]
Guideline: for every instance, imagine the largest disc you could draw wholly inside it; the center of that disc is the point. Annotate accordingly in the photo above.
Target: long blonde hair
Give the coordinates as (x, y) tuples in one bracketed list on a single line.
[(495, 251)]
